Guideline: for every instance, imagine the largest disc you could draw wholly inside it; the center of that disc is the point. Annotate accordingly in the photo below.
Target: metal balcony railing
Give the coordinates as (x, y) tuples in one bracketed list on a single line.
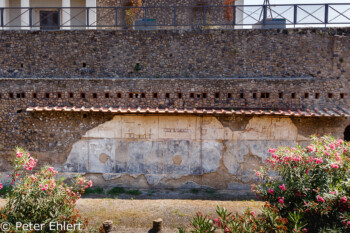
[(176, 17)]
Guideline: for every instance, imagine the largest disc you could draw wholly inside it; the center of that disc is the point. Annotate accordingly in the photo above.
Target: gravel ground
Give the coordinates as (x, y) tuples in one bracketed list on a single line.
[(136, 213)]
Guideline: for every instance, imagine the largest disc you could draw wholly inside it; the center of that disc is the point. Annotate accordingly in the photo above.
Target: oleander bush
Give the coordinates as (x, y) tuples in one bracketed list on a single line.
[(306, 189), (37, 197)]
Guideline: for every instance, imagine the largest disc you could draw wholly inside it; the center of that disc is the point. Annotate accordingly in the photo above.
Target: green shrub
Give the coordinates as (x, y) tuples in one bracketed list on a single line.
[(313, 181), (98, 190), (268, 221), (133, 192), (305, 189), (194, 191), (38, 198), (116, 191), (5, 190)]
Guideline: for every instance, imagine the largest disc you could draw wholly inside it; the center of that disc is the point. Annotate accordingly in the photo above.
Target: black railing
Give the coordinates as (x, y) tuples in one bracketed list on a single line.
[(176, 17)]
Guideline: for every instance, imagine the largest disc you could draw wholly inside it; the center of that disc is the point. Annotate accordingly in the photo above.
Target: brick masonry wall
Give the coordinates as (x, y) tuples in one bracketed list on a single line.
[(234, 93), (18, 94), (171, 54), (290, 69)]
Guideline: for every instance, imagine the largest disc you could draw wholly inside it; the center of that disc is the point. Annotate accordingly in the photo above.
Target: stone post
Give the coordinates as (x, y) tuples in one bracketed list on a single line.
[(157, 225), (91, 15), (3, 4), (66, 15), (107, 226), (25, 14)]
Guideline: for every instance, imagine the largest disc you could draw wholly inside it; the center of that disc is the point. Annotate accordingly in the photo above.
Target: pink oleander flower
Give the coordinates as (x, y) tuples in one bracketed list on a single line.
[(252, 213), (90, 183), (257, 174), (271, 191), (296, 158), (272, 150), (333, 192), (50, 169), (344, 200), (310, 148), (281, 200), (340, 141), (334, 165), (345, 150), (319, 198), (332, 146), (19, 154), (319, 160), (327, 153), (307, 172), (45, 187), (338, 158), (1, 185), (283, 187)]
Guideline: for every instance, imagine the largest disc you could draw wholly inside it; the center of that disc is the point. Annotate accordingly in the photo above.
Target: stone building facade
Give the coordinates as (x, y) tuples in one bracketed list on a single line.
[(115, 14), (160, 109)]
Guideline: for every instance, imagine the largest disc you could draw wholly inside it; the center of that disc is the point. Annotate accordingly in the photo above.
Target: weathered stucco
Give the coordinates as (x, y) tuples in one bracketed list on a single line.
[(178, 151)]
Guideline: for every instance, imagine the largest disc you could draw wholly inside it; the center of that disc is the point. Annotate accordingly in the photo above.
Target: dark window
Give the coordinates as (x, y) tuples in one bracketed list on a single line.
[(71, 95), (229, 95), (136, 95), (293, 96), (143, 95), (280, 95), (23, 95), (106, 95), (59, 95), (317, 95), (204, 95), (198, 96), (241, 95), (192, 95), (306, 95), (94, 95), (47, 95), (167, 95), (330, 95), (179, 95), (254, 95), (265, 95), (18, 95), (34, 95), (49, 20), (131, 95), (347, 133), (217, 95), (342, 95), (11, 95), (82, 95), (155, 95), (119, 95)]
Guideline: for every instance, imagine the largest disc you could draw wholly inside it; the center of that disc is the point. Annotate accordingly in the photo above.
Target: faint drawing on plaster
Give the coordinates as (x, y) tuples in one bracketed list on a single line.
[(175, 146)]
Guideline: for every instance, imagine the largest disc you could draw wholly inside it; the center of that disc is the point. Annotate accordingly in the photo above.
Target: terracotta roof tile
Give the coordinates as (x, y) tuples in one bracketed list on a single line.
[(298, 113)]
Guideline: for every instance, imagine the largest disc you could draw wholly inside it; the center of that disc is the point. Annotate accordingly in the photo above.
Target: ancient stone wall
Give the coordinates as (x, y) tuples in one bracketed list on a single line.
[(187, 12), (253, 70), (231, 94), (158, 151), (172, 54)]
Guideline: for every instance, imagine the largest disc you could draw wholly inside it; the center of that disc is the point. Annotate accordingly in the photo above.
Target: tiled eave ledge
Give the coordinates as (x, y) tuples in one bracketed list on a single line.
[(295, 113)]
